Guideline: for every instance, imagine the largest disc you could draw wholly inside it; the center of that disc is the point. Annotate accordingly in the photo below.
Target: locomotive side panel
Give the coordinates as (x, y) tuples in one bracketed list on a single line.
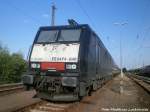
[(91, 62)]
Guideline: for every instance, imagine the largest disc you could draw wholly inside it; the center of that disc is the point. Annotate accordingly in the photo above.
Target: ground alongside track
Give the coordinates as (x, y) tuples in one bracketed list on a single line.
[(17, 100), (119, 94)]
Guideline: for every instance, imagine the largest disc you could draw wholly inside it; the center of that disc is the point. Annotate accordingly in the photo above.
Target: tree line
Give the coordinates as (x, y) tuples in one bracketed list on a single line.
[(12, 66)]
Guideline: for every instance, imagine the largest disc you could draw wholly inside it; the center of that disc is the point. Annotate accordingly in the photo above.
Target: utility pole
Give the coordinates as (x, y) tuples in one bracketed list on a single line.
[(121, 24), (53, 15)]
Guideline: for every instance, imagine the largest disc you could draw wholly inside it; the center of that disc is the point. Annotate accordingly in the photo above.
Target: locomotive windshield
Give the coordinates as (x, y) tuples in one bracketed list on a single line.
[(48, 36), (54, 36), (69, 35)]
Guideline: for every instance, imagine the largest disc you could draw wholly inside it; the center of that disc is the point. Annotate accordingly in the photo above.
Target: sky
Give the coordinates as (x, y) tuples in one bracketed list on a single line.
[(20, 20)]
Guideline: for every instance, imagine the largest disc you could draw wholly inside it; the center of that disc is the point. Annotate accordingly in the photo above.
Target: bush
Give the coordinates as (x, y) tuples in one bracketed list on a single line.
[(11, 66)]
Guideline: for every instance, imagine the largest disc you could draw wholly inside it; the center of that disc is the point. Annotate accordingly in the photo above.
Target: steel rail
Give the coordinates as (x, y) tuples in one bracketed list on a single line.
[(10, 88)]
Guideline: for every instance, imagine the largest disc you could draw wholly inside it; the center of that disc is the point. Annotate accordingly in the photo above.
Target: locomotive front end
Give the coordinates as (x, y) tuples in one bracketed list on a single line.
[(54, 64)]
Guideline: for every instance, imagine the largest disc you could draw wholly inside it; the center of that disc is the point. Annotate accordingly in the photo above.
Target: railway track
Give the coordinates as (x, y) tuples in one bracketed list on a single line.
[(145, 79), (96, 101), (10, 88), (144, 82), (38, 106), (45, 106)]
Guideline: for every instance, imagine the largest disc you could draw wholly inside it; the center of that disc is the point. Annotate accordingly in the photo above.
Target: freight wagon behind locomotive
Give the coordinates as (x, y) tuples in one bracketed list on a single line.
[(68, 62)]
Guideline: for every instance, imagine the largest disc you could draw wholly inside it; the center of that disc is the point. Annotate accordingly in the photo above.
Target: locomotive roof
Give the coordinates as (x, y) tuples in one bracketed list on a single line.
[(65, 27)]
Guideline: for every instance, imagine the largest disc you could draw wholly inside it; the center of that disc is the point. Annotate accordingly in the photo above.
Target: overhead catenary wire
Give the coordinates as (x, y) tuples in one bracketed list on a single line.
[(142, 41), (143, 37), (85, 13)]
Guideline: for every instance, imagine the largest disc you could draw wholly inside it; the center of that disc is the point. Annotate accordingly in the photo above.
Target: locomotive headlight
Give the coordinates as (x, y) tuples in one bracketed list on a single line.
[(69, 81), (35, 65), (71, 66)]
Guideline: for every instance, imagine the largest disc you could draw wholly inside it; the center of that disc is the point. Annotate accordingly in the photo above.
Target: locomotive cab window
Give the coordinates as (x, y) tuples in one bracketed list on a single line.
[(48, 36), (54, 36), (69, 35)]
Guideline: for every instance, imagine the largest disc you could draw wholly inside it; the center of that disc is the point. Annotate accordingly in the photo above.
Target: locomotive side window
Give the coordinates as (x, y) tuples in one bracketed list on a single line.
[(69, 35), (48, 36)]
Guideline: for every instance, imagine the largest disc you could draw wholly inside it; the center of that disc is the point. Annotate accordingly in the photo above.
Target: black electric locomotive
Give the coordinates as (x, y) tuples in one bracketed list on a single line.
[(68, 62)]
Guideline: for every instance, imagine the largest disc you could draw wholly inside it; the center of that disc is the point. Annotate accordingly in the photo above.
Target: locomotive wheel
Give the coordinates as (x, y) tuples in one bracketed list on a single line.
[(80, 98), (27, 87), (89, 91), (94, 86)]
